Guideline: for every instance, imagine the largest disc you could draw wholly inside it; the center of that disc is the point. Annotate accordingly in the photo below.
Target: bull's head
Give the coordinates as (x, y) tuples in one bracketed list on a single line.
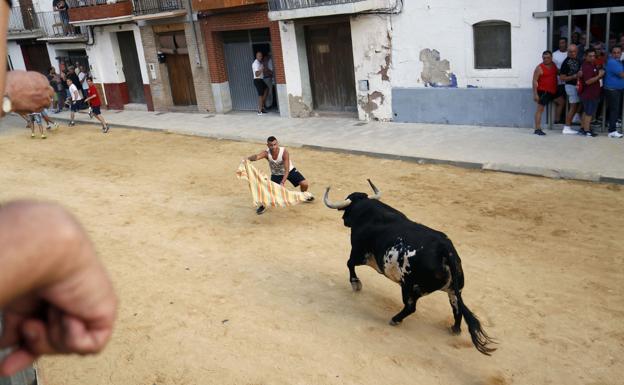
[(341, 205)]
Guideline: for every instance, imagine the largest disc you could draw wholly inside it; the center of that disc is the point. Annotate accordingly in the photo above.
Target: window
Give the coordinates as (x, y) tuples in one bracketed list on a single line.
[(492, 44)]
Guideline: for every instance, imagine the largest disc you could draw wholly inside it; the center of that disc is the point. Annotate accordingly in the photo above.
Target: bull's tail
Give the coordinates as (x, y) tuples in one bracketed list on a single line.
[(479, 337)]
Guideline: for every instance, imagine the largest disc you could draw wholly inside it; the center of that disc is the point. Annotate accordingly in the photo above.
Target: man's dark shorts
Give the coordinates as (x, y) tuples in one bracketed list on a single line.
[(260, 86), (590, 106), (561, 90), (76, 106), (96, 110), (294, 177), (545, 97)]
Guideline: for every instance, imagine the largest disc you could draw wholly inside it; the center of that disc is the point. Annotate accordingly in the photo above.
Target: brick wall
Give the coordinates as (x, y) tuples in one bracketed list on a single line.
[(160, 88), (201, 74), (212, 25)]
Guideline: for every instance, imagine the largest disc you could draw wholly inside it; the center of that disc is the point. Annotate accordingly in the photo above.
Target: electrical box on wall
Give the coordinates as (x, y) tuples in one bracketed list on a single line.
[(152, 70), (363, 85), (161, 57)]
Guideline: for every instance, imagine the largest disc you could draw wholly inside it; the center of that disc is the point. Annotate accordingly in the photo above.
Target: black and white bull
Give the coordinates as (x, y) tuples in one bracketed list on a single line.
[(420, 259)]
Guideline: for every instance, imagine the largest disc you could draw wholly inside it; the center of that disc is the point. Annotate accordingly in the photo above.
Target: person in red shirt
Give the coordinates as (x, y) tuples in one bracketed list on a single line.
[(590, 95), (545, 89), (95, 103)]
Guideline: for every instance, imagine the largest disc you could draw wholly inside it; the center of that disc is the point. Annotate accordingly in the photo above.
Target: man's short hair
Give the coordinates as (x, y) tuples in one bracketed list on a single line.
[(590, 50), (616, 46), (564, 39), (90, 78), (547, 52), (271, 139)]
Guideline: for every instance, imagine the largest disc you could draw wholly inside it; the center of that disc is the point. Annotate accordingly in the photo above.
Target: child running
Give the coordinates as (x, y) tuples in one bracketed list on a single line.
[(76, 100), (35, 118), (94, 101)]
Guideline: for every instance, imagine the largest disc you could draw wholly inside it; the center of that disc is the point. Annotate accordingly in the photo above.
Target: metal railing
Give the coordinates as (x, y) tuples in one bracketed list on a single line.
[(285, 5), (146, 7), (90, 3), (50, 24)]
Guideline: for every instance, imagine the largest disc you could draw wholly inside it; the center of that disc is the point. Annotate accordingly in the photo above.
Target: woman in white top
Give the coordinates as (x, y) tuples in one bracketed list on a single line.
[(282, 168)]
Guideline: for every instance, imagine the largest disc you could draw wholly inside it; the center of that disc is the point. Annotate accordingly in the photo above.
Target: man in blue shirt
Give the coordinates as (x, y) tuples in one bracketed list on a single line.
[(614, 89)]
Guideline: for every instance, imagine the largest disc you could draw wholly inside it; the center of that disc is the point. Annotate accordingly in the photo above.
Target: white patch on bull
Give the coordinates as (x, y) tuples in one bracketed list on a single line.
[(372, 262), (447, 285), (392, 268)]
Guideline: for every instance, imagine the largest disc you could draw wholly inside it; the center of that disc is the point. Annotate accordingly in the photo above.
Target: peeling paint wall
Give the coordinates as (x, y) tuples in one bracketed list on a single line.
[(296, 70), (372, 39), (429, 34)]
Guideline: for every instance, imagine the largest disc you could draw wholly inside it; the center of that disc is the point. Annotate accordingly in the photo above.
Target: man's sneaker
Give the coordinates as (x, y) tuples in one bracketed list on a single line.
[(106, 128), (72, 123), (569, 131), (615, 134), (48, 127), (55, 125), (261, 210), (259, 113), (43, 136), (590, 133), (32, 136), (539, 132)]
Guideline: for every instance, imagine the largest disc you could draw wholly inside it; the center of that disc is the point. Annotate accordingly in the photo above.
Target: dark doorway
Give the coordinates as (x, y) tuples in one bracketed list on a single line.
[(131, 66), (36, 57), (330, 61), (240, 49)]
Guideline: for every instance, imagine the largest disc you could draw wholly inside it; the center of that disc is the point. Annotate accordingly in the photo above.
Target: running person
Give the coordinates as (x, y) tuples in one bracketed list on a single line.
[(278, 158), (94, 101), (76, 100)]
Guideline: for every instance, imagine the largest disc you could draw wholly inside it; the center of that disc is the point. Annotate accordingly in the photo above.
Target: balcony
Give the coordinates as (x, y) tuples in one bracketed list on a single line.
[(99, 12), (158, 9), (25, 23), (209, 5), (296, 9)]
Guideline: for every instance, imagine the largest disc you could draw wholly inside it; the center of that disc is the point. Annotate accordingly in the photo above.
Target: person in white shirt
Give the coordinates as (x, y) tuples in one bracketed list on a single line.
[(84, 87), (76, 100), (258, 72), (558, 57), (268, 80)]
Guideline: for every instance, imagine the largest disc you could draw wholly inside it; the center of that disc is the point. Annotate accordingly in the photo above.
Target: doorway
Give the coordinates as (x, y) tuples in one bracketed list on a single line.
[(179, 68), (131, 67), (36, 57), (240, 48), (330, 61)]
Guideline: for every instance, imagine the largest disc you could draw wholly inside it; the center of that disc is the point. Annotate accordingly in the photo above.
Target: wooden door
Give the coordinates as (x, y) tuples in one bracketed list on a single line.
[(131, 66), (181, 80), (36, 57), (330, 61)]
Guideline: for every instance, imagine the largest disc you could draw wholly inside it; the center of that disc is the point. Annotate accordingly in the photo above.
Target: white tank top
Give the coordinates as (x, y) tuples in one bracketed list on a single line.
[(277, 165)]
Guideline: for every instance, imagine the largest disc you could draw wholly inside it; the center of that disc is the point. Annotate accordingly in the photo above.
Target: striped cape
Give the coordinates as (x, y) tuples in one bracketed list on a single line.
[(264, 191)]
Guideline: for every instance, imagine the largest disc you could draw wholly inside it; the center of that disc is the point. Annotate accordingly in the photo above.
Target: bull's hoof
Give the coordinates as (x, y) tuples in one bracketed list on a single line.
[(356, 285), (455, 331), (394, 323)]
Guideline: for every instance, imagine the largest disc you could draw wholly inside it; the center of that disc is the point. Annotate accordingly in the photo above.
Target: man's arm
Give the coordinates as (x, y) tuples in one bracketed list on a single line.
[(286, 159), (258, 156), (536, 75), (595, 78)]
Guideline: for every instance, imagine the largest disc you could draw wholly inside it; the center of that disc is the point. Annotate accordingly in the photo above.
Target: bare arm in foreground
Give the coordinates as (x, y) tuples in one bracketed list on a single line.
[(55, 295)]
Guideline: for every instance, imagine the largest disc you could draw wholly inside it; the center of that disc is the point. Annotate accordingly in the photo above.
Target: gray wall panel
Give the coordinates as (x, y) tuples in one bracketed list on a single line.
[(507, 107)]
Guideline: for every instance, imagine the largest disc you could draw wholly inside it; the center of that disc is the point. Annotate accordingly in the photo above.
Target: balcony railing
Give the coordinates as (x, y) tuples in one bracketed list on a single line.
[(86, 10), (286, 5), (85, 3), (45, 24), (146, 7)]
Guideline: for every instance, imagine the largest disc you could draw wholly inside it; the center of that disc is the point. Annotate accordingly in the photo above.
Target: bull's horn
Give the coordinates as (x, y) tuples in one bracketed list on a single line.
[(335, 205), (375, 190)]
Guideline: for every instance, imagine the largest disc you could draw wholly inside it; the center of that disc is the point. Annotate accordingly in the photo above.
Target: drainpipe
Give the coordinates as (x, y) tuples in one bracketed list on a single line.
[(189, 14)]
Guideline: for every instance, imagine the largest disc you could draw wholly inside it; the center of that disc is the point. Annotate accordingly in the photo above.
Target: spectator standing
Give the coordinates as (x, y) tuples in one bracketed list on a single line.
[(614, 89), (261, 87), (558, 57), (545, 89), (55, 83), (267, 77), (82, 78), (590, 95), (62, 7), (569, 73), (76, 100)]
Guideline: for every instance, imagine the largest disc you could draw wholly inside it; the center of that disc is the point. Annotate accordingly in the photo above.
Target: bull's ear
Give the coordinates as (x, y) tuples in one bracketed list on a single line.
[(335, 205), (377, 195)]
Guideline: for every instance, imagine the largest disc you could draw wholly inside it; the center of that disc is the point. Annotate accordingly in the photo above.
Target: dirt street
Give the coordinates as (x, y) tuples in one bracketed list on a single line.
[(212, 293)]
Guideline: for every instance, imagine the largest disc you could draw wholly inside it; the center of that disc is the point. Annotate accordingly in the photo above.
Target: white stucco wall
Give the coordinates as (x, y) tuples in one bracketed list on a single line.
[(296, 71), (446, 26), (371, 38), (15, 53), (105, 57)]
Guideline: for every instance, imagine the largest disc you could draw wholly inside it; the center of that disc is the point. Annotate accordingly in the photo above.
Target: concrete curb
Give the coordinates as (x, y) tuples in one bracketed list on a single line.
[(498, 167)]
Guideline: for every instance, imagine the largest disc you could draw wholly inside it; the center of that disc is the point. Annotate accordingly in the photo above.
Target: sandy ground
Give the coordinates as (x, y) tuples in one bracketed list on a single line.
[(211, 293)]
